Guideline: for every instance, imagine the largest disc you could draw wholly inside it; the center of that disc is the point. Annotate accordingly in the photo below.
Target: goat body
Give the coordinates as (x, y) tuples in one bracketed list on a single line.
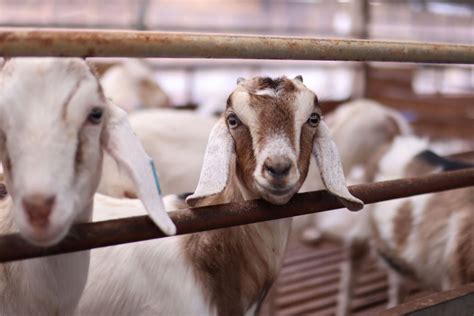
[(197, 274), (226, 271), (428, 238), (131, 85)]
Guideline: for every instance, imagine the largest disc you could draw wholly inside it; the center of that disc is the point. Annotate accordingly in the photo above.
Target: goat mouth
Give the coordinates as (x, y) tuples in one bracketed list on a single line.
[(276, 191), (45, 238)]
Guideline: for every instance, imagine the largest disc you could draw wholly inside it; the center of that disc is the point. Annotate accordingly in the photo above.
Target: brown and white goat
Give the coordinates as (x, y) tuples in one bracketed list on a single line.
[(427, 238), (54, 125), (259, 149)]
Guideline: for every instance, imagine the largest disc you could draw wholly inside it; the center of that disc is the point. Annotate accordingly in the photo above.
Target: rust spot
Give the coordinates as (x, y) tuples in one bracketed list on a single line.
[(90, 52), (4, 36)]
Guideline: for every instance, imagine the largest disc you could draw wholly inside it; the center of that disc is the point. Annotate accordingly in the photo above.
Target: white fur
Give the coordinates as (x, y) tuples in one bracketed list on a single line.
[(431, 259), (163, 278), (277, 146), (267, 92), (359, 129), (42, 147), (176, 140), (55, 149), (303, 107), (401, 152), (147, 278), (132, 86), (151, 277)]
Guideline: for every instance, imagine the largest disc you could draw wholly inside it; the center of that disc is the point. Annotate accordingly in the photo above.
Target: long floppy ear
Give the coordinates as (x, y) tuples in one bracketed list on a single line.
[(124, 146), (217, 164), (330, 167)]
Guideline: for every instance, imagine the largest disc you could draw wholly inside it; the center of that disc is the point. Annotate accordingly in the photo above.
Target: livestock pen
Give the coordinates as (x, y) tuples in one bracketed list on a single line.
[(293, 291), (308, 282)]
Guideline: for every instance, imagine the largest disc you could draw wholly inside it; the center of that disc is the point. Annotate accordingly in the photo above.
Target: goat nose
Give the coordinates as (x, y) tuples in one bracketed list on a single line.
[(38, 208), (277, 167)]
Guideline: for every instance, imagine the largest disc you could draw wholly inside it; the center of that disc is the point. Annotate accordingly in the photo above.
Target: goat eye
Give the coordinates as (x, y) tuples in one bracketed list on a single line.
[(95, 115), (233, 121), (314, 119)]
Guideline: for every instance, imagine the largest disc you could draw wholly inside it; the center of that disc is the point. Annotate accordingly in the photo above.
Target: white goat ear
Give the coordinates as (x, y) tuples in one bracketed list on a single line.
[(240, 80), (125, 147), (217, 164), (330, 167)]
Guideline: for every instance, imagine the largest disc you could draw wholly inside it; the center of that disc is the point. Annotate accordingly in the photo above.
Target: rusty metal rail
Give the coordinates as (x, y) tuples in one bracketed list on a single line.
[(119, 231), (94, 43), (459, 301)]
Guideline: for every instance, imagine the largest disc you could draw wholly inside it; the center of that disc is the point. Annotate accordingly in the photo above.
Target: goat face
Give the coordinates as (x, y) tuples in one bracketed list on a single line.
[(54, 122), (273, 123), (272, 127)]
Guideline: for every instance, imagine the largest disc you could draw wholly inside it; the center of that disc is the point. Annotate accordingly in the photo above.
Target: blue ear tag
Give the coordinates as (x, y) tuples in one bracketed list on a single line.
[(155, 176)]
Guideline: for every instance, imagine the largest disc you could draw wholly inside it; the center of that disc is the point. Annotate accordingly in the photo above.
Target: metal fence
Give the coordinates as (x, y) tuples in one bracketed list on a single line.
[(25, 42), (21, 42)]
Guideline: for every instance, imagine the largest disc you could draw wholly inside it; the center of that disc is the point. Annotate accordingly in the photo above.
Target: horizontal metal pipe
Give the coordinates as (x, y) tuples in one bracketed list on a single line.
[(132, 229), (93, 43)]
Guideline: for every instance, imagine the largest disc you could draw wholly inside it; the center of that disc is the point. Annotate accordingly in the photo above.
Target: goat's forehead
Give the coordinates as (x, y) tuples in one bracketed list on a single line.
[(261, 99), (47, 83), (45, 67)]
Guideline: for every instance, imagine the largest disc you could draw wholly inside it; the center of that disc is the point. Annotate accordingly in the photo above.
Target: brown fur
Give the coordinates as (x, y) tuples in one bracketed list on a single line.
[(239, 262), (244, 150), (8, 163), (130, 195), (276, 116), (230, 262), (389, 255), (435, 221), (403, 224), (70, 95), (231, 265), (465, 249), (306, 141), (280, 85), (78, 159)]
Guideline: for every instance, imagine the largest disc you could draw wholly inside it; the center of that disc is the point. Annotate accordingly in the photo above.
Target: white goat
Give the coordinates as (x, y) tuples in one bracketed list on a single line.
[(175, 139), (359, 128), (54, 123), (131, 85), (375, 127), (260, 149), (428, 238)]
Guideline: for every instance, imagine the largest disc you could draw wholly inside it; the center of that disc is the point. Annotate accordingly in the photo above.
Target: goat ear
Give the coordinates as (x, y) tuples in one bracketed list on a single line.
[(240, 80), (217, 164), (299, 78), (124, 146), (330, 167)]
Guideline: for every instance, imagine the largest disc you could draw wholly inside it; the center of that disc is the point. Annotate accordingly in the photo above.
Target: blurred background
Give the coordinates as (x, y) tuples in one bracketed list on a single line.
[(438, 99)]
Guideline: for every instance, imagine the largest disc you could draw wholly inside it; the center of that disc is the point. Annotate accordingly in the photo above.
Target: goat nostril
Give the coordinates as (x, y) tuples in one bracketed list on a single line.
[(278, 169), (38, 207)]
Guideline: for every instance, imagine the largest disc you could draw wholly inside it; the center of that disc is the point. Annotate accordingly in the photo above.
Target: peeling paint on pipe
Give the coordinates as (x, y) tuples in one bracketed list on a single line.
[(95, 43)]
